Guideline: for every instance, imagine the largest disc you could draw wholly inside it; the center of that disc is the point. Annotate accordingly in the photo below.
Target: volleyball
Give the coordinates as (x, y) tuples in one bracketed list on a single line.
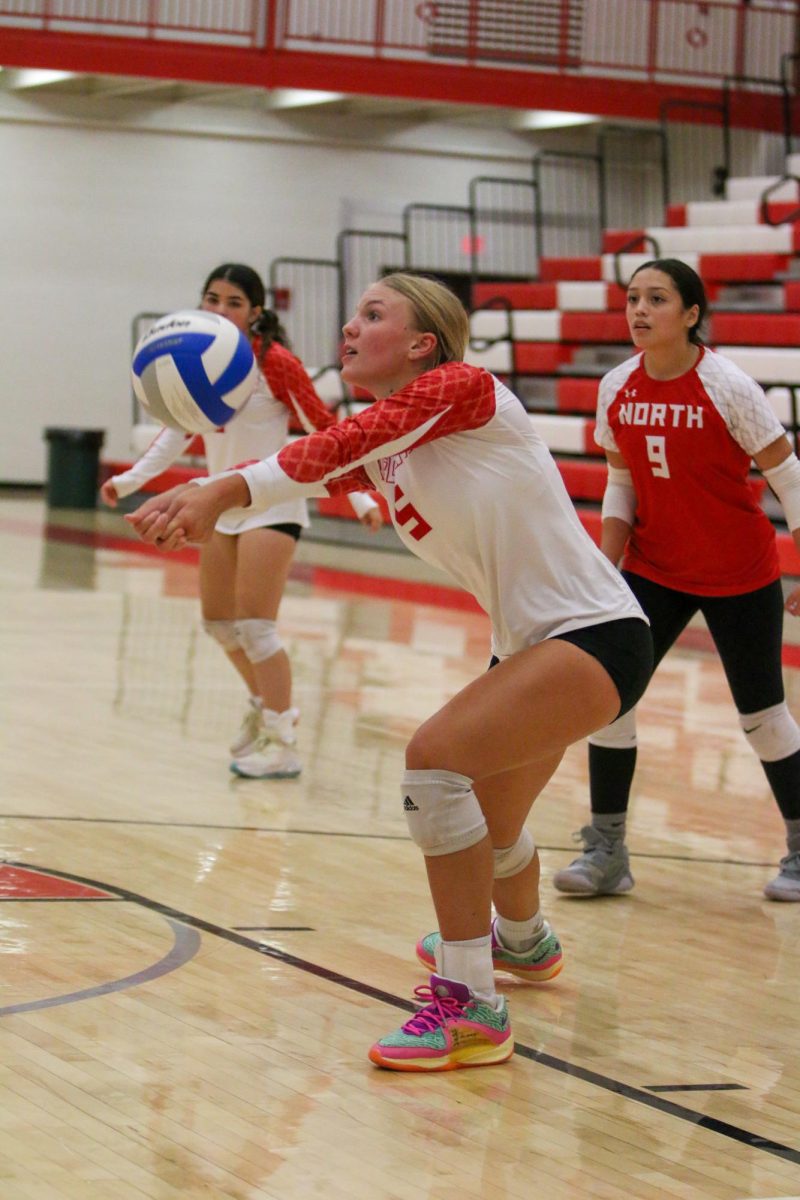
[(193, 370)]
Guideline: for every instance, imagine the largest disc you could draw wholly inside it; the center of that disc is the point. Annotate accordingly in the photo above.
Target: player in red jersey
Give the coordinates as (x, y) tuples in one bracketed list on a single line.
[(680, 426), (245, 564), (472, 489)]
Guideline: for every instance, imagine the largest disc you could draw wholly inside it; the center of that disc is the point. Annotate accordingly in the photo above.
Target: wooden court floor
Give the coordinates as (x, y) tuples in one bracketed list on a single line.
[(193, 966)]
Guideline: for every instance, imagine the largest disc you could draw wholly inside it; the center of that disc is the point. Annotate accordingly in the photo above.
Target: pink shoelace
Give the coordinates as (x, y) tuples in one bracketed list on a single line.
[(435, 1012)]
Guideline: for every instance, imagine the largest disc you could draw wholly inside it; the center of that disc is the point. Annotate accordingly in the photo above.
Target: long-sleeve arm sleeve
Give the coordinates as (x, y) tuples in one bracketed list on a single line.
[(162, 452), (290, 383), (447, 400)]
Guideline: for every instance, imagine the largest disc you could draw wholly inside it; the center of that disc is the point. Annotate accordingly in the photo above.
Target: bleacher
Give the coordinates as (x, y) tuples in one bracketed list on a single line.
[(553, 338)]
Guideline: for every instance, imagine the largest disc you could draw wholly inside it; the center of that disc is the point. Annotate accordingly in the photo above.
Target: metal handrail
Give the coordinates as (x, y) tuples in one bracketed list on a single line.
[(628, 248), (764, 203)]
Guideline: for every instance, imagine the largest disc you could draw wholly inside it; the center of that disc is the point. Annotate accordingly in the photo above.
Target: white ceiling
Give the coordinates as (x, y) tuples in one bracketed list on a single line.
[(158, 92)]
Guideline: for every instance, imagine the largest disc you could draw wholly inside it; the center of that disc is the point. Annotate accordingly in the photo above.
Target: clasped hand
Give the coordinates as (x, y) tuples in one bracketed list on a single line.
[(187, 513)]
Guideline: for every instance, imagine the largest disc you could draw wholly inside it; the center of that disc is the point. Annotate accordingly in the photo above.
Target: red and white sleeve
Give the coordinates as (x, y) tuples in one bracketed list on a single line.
[(290, 383), (450, 399)]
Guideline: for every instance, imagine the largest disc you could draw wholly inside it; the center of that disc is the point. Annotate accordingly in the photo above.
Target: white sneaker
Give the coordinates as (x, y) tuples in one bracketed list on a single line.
[(251, 729), (274, 756)]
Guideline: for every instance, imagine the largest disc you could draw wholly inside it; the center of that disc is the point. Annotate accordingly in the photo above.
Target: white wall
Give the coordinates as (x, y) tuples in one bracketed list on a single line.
[(109, 208), (106, 213)]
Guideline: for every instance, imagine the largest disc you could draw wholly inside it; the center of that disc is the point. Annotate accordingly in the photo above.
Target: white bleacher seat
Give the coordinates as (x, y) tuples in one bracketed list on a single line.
[(526, 325), (582, 296), (781, 400), (562, 435), (753, 187), (681, 240), (766, 364), (628, 263), (328, 385), (496, 357), (722, 212)]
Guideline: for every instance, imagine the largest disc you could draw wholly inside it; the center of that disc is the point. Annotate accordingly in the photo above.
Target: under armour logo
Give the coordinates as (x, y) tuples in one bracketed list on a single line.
[(630, 393), (409, 805)]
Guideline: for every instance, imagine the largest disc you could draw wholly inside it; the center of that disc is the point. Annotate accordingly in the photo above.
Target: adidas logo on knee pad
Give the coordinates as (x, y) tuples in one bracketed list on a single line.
[(409, 805)]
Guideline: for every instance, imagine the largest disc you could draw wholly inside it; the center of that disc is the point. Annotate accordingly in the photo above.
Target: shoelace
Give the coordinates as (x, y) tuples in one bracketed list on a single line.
[(436, 1011)]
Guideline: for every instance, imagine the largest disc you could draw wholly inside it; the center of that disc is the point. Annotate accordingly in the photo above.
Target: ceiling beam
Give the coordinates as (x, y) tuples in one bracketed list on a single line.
[(356, 75)]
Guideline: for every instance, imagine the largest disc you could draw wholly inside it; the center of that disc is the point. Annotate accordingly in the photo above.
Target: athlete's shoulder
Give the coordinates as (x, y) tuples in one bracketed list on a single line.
[(452, 382), (714, 365), (617, 377)]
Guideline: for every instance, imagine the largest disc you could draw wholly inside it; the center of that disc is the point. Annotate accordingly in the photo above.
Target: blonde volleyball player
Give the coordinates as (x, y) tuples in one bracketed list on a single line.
[(680, 426), (245, 563), (472, 489)]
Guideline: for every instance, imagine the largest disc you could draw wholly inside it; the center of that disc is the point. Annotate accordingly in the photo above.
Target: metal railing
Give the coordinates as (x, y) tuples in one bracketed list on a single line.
[(675, 41)]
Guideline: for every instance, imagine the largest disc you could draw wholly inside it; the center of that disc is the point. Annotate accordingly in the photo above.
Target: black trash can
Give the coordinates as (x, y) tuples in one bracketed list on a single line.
[(73, 467)]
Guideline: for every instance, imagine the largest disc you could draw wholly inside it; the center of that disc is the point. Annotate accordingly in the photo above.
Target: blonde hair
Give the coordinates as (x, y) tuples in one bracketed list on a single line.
[(436, 310)]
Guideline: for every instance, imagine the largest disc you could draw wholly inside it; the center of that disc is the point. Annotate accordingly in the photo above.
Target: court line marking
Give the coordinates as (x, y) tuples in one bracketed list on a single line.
[(185, 945), (695, 1087), (627, 1091)]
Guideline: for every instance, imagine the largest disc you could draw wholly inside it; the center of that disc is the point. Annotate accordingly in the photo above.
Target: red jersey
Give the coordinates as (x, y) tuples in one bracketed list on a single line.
[(688, 443)]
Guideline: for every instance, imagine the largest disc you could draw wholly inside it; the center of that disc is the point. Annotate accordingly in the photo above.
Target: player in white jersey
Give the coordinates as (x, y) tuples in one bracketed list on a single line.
[(680, 426), (471, 488), (245, 564)]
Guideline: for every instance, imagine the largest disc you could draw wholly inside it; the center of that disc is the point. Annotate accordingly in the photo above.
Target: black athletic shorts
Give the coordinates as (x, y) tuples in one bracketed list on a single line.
[(289, 528), (624, 648)]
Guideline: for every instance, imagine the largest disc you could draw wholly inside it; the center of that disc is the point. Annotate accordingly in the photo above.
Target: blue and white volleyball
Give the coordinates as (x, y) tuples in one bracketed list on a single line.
[(193, 370)]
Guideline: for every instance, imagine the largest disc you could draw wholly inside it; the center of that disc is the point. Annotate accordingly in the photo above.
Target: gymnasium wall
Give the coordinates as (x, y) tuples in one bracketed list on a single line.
[(109, 208)]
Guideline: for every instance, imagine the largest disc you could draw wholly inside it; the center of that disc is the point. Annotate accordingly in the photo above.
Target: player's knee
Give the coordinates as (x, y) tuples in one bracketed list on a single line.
[(425, 747), (442, 811), (773, 732), (619, 735), (510, 860), (223, 632), (258, 638)]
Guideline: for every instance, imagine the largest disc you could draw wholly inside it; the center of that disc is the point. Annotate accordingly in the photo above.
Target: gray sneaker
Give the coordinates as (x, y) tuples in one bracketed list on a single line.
[(786, 884), (602, 870)]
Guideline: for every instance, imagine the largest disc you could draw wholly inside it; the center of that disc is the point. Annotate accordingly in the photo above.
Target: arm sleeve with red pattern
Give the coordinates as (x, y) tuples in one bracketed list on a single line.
[(290, 383), (450, 399)]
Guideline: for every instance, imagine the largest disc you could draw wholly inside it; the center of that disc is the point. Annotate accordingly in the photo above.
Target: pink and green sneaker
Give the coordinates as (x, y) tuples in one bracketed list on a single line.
[(541, 963), (452, 1029)]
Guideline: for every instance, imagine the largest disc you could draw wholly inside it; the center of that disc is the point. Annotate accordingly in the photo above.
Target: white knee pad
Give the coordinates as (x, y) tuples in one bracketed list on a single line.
[(619, 735), (442, 811), (258, 638), (510, 860), (773, 732), (223, 632)]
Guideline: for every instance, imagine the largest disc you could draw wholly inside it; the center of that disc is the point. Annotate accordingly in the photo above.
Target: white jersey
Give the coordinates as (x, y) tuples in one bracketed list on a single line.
[(473, 490), (259, 429)]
